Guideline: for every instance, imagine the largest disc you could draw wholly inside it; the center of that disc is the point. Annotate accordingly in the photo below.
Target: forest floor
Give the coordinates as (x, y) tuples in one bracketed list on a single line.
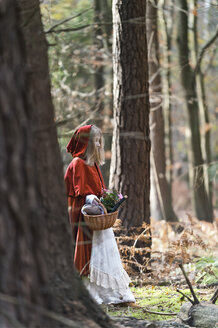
[(160, 300), (155, 284)]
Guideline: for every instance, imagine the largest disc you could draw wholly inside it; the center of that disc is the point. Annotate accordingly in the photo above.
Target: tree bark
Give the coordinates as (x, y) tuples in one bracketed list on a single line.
[(103, 73), (202, 102), (38, 283), (162, 189), (106, 23), (200, 197), (48, 162), (130, 163), (22, 268), (99, 82), (166, 28)]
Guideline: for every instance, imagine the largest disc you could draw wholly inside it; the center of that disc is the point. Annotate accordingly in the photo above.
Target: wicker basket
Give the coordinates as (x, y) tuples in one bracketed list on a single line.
[(102, 221)]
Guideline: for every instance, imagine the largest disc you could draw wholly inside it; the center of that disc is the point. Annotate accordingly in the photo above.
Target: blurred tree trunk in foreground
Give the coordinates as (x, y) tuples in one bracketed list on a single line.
[(161, 200), (130, 163), (37, 281), (22, 239), (201, 201)]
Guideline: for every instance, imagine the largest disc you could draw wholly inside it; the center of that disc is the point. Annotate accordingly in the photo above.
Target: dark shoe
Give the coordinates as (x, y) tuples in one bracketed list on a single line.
[(126, 304)]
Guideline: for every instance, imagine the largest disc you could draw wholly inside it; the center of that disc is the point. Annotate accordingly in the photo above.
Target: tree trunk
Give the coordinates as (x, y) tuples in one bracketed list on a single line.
[(99, 82), (103, 74), (48, 162), (166, 28), (106, 24), (38, 283), (22, 239), (130, 163), (162, 190), (202, 103), (200, 197)]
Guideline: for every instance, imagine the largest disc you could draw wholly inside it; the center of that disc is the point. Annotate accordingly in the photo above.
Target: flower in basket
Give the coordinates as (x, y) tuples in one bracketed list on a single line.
[(111, 198)]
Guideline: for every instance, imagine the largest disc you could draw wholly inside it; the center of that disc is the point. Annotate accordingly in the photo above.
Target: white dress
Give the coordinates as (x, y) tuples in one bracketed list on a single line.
[(108, 281)]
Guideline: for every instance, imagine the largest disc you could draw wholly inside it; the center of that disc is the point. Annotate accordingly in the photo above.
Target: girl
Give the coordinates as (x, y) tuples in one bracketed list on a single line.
[(96, 253)]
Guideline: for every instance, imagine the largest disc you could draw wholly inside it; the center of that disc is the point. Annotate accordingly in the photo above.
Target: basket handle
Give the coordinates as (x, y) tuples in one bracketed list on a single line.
[(104, 208)]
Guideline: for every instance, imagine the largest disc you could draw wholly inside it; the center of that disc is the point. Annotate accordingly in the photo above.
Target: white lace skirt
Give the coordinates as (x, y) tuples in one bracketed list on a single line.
[(108, 281)]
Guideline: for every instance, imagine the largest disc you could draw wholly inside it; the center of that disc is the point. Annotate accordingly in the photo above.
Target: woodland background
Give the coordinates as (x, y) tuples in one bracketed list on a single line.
[(79, 35)]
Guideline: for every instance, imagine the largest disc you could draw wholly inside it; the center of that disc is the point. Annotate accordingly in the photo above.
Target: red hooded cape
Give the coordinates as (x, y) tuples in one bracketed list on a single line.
[(81, 180)]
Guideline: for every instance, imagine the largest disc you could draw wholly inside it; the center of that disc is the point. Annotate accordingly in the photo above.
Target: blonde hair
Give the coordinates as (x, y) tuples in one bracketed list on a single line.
[(92, 154)]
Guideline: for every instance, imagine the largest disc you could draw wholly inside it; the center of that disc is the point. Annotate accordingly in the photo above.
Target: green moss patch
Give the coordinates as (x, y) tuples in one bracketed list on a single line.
[(156, 299)]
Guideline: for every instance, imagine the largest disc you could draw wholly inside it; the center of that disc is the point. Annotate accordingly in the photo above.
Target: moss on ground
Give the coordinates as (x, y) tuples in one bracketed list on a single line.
[(156, 299)]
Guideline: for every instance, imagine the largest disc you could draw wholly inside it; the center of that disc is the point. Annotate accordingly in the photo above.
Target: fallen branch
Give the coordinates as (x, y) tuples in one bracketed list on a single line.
[(188, 298), (158, 313), (196, 301), (214, 297)]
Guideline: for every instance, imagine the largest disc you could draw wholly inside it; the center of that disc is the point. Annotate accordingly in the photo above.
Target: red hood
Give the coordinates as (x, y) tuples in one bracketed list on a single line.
[(79, 141)]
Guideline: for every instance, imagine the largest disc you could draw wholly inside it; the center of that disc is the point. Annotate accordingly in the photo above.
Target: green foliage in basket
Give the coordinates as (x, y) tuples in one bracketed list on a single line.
[(110, 198)]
